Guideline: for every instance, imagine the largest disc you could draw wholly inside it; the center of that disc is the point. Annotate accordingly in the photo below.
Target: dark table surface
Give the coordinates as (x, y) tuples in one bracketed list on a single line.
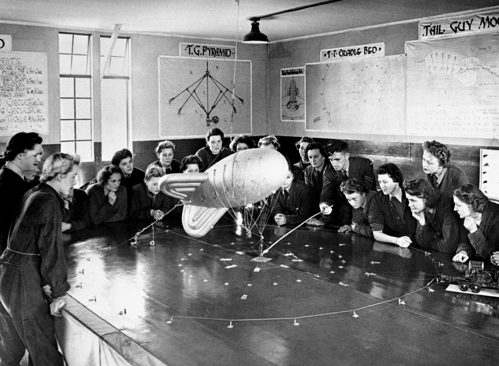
[(323, 298)]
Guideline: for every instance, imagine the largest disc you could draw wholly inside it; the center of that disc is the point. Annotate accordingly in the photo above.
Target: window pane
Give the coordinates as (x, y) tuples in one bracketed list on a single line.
[(83, 130), (120, 47), (83, 108), (105, 42), (68, 147), (83, 87), (116, 67), (67, 130), (67, 88), (65, 43), (64, 64), (114, 115), (67, 109), (84, 149), (81, 44), (80, 65)]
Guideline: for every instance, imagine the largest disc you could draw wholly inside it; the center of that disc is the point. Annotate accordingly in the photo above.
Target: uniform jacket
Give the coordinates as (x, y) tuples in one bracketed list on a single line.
[(12, 189), (297, 205), (100, 208), (144, 201)]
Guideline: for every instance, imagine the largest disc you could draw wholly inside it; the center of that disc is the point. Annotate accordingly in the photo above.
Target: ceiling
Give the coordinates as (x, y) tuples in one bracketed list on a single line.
[(219, 19)]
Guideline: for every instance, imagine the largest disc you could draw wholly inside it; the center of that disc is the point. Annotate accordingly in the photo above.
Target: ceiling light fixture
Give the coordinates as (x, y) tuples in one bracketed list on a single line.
[(257, 37)]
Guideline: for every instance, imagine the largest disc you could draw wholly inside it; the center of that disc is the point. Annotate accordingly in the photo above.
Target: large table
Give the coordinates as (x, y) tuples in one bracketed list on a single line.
[(323, 298)]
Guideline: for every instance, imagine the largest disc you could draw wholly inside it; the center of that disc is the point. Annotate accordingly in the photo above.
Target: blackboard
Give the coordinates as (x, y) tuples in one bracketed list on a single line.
[(23, 92)]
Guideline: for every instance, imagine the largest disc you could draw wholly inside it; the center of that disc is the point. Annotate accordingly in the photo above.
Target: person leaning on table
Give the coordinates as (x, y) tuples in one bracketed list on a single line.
[(33, 271), (481, 221)]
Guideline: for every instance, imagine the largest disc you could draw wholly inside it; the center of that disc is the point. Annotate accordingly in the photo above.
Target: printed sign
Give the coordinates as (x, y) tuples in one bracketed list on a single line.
[(293, 94), (23, 92), (366, 50), (456, 26), (206, 50)]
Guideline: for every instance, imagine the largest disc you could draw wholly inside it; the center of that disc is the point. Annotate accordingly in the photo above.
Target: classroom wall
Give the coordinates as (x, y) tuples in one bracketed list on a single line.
[(145, 50), (266, 64), (379, 148), (39, 39), (145, 111)]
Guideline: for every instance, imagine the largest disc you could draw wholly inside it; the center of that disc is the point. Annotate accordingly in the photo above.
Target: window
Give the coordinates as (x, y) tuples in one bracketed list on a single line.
[(115, 94), (76, 95)]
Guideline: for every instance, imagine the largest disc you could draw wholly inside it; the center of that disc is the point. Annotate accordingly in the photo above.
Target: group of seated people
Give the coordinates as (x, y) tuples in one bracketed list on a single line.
[(441, 211)]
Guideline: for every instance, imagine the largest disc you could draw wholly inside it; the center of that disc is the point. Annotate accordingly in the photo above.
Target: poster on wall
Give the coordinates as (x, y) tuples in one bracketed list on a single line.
[(197, 94), (362, 96), (453, 87), (23, 93), (293, 94)]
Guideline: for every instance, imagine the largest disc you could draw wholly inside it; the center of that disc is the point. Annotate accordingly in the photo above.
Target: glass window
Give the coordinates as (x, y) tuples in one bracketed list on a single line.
[(67, 130), (81, 44), (65, 43), (76, 95), (79, 65), (68, 147), (115, 96), (120, 59), (83, 108), (64, 64), (84, 129), (66, 87), (84, 149), (83, 88), (67, 109)]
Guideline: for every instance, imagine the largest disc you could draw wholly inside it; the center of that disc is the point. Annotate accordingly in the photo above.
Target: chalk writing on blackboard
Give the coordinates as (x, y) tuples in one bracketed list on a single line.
[(23, 93)]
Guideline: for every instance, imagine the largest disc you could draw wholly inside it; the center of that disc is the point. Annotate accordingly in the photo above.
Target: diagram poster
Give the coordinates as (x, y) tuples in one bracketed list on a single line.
[(197, 94), (364, 96), (453, 87), (293, 94)]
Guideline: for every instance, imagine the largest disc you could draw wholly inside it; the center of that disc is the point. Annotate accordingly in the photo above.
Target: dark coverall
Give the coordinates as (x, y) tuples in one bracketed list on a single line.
[(34, 258)]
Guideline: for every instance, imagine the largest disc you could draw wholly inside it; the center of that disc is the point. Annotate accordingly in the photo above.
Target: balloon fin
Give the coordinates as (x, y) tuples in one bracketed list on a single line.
[(198, 220), (180, 185)]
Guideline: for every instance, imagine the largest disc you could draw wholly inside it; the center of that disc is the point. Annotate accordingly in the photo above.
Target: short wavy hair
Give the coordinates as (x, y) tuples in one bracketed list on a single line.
[(243, 139), (353, 185), (215, 131), (471, 195), (335, 146), (305, 139), (105, 173), (120, 155), (392, 171), (19, 143), (153, 171), (191, 159), (269, 140), (58, 163), (316, 146), (421, 188), (438, 150), (167, 144)]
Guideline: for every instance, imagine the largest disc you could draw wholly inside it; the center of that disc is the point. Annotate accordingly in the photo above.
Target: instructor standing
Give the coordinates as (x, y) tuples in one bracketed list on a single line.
[(33, 272)]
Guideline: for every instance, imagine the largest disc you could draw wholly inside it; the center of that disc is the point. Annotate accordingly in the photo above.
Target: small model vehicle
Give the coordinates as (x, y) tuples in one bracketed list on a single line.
[(476, 278)]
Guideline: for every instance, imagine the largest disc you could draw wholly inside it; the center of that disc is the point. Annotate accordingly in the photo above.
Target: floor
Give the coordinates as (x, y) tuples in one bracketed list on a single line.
[(322, 298)]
